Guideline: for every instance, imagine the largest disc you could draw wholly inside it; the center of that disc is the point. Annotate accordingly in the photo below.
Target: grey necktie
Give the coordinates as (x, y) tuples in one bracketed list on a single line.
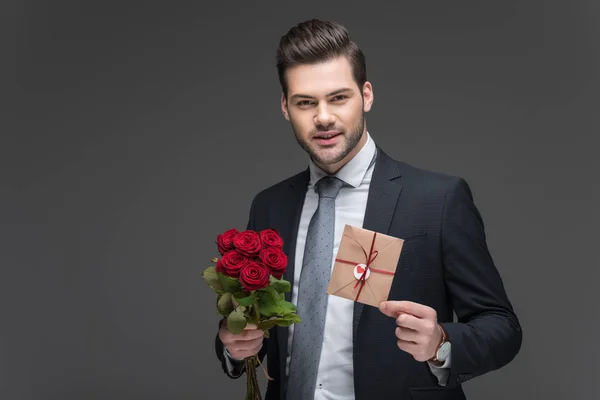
[(312, 293)]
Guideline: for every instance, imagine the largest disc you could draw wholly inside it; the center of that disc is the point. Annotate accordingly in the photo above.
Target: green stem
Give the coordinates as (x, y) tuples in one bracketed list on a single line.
[(256, 313), (252, 388)]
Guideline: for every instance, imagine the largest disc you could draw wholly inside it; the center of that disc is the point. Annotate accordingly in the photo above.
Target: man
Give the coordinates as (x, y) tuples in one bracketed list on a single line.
[(409, 347)]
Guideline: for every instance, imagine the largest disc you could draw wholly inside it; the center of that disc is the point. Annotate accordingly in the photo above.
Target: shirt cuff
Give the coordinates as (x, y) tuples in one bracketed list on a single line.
[(442, 372), (234, 366)]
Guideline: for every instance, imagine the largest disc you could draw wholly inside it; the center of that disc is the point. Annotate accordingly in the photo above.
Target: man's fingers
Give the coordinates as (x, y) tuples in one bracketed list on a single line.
[(248, 327), (243, 352), (228, 337), (416, 326), (240, 356), (408, 335), (251, 335), (411, 322), (244, 337), (246, 344), (415, 350), (407, 346), (256, 349), (393, 308)]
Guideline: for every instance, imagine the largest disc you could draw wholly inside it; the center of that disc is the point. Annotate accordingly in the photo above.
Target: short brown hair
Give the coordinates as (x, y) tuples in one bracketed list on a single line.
[(316, 41)]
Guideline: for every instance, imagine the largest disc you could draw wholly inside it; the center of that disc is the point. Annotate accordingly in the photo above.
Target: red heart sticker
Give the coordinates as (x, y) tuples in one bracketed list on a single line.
[(359, 270)]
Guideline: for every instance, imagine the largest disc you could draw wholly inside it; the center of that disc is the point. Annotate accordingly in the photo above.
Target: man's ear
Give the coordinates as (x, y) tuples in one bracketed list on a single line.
[(367, 96), (284, 109)]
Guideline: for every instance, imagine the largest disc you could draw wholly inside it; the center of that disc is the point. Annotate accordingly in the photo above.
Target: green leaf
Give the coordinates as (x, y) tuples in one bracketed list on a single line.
[(288, 307), (252, 314), (243, 299), (269, 303), (270, 323), (212, 279), (236, 321), (269, 309), (289, 322), (231, 285), (225, 304), (279, 321), (273, 292), (280, 285), (290, 319)]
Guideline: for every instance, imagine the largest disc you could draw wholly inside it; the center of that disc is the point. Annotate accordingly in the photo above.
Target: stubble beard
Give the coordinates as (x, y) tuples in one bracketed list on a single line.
[(352, 138)]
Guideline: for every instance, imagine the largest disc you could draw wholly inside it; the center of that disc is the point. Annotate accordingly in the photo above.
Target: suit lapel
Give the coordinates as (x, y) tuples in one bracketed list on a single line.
[(384, 192), (291, 207)]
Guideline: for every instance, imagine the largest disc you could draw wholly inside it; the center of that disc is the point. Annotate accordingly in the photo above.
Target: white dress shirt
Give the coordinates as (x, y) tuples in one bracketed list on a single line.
[(335, 376)]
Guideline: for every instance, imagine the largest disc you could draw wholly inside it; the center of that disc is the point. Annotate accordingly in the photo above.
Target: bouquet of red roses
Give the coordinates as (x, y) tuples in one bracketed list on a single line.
[(249, 286)]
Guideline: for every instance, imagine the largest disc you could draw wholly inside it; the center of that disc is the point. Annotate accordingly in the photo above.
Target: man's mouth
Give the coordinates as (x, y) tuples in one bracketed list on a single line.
[(326, 135), (326, 138)]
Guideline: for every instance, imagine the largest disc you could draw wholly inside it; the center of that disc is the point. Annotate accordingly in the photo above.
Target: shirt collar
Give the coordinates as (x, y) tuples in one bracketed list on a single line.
[(354, 171)]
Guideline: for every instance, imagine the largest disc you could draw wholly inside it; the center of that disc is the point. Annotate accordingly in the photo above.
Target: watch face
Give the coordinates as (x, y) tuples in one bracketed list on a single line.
[(443, 351)]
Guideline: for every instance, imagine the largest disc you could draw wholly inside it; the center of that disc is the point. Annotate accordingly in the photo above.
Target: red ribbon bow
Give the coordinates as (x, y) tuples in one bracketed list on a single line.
[(370, 258)]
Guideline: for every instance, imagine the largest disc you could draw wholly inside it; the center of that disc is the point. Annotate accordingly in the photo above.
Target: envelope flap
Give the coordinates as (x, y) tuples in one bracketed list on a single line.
[(388, 252), (342, 276), (352, 246)]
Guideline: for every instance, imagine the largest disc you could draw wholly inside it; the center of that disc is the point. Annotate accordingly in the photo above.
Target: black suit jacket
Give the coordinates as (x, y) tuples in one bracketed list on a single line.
[(444, 264)]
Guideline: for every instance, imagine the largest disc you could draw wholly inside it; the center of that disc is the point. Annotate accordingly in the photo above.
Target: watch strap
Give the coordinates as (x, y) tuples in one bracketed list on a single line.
[(444, 340)]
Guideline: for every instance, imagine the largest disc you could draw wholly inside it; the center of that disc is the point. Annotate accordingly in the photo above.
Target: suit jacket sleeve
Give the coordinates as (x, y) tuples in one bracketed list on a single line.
[(238, 368), (487, 335)]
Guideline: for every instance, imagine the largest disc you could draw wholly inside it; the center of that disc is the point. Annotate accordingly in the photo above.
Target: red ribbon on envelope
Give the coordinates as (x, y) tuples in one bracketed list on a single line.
[(370, 258)]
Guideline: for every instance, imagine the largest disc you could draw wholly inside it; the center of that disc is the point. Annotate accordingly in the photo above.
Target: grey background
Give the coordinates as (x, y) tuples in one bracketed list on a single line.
[(143, 129)]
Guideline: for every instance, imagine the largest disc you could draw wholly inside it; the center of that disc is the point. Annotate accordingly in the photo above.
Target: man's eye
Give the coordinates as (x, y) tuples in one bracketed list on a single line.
[(339, 97), (304, 103)]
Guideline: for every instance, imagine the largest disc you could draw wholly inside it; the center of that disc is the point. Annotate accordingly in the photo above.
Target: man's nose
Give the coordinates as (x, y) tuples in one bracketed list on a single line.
[(324, 116)]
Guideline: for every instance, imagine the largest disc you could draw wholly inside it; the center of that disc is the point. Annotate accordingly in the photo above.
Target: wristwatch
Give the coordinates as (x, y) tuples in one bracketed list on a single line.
[(443, 350)]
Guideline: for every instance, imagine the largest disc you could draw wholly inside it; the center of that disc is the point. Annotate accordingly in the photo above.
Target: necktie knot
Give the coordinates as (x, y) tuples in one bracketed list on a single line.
[(329, 186)]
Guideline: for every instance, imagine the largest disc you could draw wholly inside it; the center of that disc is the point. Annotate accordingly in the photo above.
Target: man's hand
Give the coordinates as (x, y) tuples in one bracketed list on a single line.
[(418, 331), (244, 344)]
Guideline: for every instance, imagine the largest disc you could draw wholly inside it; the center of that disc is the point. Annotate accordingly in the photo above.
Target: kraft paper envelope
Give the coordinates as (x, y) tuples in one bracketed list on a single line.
[(348, 280)]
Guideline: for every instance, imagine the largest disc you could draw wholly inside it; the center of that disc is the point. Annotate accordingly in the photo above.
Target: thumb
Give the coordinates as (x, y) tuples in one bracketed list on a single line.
[(390, 308)]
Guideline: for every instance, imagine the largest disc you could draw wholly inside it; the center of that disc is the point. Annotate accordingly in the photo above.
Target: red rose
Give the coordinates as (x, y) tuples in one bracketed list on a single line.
[(271, 238), (232, 263), (275, 259), (225, 240), (254, 276), (248, 243)]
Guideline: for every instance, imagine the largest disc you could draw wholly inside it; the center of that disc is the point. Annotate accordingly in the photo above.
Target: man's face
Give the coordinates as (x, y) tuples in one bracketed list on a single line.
[(326, 109)]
